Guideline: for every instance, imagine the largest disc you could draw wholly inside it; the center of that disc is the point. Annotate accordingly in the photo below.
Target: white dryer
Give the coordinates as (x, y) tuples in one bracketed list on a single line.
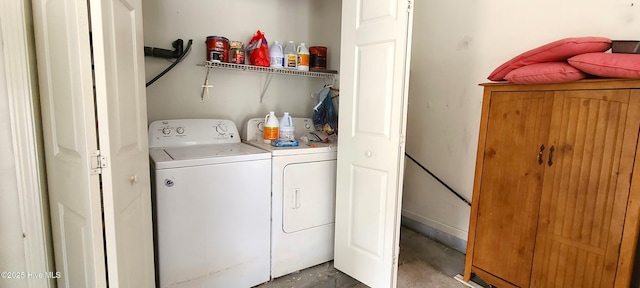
[(212, 205), (303, 199)]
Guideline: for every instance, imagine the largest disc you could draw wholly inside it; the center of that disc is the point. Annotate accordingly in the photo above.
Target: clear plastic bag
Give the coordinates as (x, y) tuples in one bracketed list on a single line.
[(325, 116)]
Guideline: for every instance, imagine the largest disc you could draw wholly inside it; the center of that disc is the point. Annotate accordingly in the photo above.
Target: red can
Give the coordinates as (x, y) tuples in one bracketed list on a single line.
[(318, 57), (236, 52), (217, 49)]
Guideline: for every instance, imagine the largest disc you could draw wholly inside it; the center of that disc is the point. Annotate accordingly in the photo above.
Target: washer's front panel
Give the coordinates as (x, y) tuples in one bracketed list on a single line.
[(213, 224)]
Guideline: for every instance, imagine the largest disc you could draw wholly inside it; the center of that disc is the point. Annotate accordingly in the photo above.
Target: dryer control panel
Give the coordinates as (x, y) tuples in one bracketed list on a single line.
[(255, 128), (181, 132)]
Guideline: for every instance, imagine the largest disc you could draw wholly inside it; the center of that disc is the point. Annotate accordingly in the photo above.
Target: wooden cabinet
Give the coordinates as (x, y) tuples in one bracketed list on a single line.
[(556, 198)]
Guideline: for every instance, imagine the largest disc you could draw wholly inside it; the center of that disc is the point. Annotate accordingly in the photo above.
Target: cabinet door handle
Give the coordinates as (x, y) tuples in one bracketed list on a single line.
[(551, 156), (540, 161)]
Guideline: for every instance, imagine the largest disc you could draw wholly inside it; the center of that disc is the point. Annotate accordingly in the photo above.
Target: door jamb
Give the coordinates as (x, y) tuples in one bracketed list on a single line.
[(22, 91)]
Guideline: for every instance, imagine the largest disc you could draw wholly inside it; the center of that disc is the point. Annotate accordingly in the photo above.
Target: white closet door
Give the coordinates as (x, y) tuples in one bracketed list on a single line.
[(69, 126), (82, 115), (373, 103), (118, 53)]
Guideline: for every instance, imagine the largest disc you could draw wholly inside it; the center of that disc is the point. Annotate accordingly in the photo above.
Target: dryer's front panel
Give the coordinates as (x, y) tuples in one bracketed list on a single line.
[(309, 192)]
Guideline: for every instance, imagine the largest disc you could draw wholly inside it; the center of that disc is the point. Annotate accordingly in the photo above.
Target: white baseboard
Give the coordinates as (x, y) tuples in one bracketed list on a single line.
[(450, 230), (468, 284), (436, 234)]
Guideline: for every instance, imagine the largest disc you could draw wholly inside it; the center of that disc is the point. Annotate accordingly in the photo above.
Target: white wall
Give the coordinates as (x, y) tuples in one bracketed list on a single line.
[(456, 44), (235, 94)]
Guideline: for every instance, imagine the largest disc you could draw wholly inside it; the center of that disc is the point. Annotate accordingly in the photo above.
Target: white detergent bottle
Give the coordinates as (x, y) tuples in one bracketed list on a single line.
[(271, 126), (303, 57), (287, 129), (276, 55), (290, 56)]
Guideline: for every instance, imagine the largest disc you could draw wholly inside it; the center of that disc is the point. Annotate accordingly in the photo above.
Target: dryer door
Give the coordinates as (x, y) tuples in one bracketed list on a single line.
[(309, 195)]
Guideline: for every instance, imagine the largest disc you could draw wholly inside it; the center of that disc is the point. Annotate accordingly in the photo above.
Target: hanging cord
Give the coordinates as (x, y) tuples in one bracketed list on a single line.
[(184, 54), (441, 182)]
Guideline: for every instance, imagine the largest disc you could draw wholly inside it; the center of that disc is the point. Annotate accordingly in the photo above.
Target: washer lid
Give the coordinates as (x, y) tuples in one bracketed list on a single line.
[(175, 157)]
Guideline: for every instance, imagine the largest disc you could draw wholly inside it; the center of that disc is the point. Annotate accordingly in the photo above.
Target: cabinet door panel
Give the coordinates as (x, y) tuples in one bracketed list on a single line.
[(585, 191), (512, 179)]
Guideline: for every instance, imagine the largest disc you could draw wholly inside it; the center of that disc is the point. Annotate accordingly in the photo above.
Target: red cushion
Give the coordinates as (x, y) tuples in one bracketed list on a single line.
[(555, 51), (548, 72), (614, 65)]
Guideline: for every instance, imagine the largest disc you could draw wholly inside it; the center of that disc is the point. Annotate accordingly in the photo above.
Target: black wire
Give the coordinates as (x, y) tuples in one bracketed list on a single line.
[(186, 51), (441, 182)]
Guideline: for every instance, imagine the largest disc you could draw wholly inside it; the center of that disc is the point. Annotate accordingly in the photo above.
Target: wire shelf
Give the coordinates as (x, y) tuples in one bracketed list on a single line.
[(252, 68), (330, 75)]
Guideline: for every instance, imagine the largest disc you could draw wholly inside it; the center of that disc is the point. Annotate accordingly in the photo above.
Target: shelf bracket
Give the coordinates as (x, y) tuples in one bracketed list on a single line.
[(266, 86), (205, 86)]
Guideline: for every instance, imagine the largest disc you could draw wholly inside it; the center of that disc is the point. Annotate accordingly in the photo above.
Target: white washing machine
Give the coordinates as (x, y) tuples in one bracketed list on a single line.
[(303, 189), (212, 205)]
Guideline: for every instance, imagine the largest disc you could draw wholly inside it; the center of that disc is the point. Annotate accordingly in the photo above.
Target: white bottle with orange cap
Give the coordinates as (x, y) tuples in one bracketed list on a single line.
[(303, 57), (271, 127)]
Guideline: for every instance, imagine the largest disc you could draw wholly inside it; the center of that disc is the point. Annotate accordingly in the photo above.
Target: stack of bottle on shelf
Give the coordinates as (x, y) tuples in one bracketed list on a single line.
[(291, 57), (300, 57), (279, 133)]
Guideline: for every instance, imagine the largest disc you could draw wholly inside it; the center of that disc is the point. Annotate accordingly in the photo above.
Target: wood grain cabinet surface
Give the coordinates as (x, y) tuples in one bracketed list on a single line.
[(556, 198)]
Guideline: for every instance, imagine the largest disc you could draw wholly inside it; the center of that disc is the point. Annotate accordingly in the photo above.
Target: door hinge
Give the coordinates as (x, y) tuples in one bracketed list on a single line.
[(97, 162), (410, 6)]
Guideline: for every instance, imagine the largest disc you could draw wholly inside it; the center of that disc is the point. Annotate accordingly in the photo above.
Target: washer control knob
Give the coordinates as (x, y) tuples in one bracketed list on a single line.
[(221, 128), (166, 130), (180, 130), (307, 126)]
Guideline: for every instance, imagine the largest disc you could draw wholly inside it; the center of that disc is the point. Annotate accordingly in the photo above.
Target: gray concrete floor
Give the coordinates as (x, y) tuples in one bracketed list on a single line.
[(422, 263)]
